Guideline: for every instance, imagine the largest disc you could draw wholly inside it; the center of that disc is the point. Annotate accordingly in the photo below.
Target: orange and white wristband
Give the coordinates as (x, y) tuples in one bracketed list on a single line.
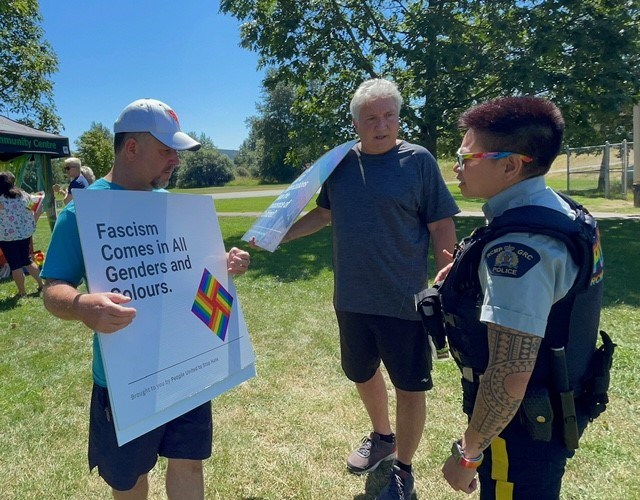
[(468, 463)]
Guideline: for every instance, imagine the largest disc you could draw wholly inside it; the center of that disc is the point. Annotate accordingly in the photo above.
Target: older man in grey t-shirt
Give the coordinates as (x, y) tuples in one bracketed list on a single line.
[(386, 200)]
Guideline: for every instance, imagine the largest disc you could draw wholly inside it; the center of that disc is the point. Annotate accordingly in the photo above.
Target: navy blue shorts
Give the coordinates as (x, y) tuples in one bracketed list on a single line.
[(402, 345), (16, 253), (186, 437)]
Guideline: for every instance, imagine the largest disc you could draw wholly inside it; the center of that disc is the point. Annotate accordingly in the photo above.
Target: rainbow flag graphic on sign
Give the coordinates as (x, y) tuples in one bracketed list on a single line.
[(213, 304)]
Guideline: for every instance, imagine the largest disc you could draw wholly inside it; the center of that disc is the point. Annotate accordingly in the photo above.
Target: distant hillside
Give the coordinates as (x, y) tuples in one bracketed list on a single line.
[(231, 153)]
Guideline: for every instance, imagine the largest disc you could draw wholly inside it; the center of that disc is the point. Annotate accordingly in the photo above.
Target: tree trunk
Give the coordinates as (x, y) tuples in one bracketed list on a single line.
[(429, 137)]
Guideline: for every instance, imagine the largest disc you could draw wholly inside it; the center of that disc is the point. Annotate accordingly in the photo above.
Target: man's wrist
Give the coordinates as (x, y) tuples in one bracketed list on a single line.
[(457, 452)]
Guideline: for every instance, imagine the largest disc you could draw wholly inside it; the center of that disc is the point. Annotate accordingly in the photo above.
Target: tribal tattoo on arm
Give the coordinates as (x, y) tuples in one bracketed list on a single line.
[(512, 357)]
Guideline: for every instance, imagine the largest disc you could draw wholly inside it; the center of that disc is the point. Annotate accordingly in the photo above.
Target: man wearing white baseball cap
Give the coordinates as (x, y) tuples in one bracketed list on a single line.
[(147, 139), (158, 119)]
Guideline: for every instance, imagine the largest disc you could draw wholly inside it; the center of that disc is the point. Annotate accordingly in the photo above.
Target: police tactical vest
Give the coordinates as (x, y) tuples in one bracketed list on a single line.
[(573, 320)]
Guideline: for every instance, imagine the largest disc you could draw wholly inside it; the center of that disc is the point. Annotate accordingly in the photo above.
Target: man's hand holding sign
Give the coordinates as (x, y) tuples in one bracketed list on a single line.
[(272, 226)]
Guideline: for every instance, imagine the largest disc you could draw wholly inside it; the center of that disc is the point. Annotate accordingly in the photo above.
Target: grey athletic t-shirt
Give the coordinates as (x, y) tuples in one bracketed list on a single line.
[(380, 207)]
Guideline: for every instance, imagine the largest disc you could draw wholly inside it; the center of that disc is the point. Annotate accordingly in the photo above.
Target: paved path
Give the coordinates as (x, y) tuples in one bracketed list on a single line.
[(247, 194), (276, 192)]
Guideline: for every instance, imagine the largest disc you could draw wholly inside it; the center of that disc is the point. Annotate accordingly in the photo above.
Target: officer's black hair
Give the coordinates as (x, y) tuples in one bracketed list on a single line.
[(529, 125)]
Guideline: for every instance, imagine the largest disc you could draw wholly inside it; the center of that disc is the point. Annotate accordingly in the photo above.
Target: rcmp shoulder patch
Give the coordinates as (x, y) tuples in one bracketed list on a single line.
[(510, 260)]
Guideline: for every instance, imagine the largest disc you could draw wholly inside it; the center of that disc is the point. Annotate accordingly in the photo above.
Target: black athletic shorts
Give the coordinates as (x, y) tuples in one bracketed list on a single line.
[(16, 252), (402, 345), (187, 437)]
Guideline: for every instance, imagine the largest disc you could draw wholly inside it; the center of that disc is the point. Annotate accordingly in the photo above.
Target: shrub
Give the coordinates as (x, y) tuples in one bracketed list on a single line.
[(204, 168)]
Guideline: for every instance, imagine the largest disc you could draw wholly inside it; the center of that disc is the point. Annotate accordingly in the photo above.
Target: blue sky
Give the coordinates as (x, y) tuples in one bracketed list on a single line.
[(186, 54)]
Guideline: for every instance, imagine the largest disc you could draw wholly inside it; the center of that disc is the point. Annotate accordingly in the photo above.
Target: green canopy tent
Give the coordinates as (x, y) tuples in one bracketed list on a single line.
[(25, 147)]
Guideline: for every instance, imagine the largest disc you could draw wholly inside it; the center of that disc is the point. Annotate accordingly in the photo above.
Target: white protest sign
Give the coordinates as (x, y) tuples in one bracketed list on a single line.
[(276, 220), (188, 342)]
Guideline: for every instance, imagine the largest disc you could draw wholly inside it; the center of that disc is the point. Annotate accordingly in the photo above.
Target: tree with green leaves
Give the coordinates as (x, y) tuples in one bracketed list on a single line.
[(273, 126), (203, 168), (203, 139), (250, 153), (95, 149), (272, 151), (446, 56), (28, 61)]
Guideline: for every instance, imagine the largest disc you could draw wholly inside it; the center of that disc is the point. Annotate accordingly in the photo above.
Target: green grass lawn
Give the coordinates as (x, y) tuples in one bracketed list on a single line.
[(286, 433), (581, 190), (238, 185), (258, 205)]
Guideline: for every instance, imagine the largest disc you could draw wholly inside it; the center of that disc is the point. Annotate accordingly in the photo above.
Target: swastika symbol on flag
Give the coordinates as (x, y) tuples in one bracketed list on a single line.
[(213, 304)]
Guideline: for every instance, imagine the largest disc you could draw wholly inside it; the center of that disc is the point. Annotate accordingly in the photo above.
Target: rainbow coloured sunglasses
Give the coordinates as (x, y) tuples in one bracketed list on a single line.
[(493, 155)]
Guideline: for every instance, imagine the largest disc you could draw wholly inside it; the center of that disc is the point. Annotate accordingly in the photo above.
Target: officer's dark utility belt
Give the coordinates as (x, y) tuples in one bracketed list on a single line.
[(544, 408)]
